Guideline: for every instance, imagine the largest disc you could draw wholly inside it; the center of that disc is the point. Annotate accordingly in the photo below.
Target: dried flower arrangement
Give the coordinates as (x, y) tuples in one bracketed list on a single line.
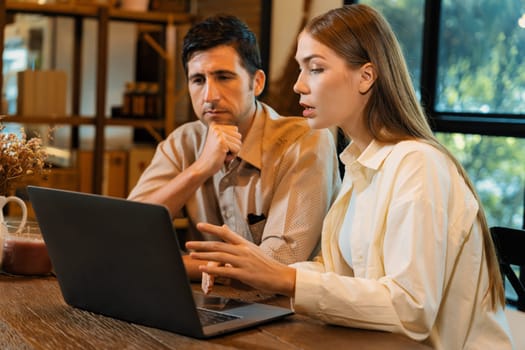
[(19, 157)]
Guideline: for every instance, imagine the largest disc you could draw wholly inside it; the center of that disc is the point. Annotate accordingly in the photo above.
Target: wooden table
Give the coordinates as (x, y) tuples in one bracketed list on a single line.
[(33, 315)]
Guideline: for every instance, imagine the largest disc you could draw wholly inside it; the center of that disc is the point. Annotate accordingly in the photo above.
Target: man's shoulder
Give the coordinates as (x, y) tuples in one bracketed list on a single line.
[(192, 130), (186, 137), (290, 127), (195, 126)]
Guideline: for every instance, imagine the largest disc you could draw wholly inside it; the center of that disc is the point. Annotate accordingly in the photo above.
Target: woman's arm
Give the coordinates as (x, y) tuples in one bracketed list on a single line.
[(249, 264)]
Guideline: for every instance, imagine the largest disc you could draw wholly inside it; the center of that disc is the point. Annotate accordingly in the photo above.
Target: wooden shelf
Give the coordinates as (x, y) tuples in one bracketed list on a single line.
[(137, 123), (77, 10), (83, 10), (83, 120), (149, 17), (103, 14), (73, 120)]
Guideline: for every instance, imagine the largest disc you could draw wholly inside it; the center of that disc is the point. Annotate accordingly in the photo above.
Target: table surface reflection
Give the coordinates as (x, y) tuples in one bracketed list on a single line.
[(33, 315)]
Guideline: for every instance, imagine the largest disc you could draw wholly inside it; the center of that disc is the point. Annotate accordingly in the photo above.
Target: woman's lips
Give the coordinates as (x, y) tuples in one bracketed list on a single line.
[(308, 111)]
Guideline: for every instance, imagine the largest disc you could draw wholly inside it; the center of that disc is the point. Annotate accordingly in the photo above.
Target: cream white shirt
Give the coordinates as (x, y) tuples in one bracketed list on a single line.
[(275, 193), (416, 248)]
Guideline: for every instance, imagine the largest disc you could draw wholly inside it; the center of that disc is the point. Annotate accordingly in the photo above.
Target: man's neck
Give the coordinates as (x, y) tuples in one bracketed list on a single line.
[(245, 128)]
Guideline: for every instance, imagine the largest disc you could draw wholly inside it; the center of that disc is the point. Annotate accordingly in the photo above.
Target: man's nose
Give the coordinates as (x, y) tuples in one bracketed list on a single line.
[(212, 91)]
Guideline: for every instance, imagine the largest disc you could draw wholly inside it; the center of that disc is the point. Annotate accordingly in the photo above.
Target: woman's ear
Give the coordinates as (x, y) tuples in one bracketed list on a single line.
[(368, 77), (259, 80)]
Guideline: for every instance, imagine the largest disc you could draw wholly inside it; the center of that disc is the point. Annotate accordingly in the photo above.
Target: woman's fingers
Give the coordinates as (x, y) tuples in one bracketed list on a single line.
[(222, 232), (226, 270), (207, 279), (221, 257)]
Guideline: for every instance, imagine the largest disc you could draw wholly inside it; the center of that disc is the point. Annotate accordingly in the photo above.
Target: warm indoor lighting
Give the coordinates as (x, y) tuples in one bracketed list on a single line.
[(521, 21)]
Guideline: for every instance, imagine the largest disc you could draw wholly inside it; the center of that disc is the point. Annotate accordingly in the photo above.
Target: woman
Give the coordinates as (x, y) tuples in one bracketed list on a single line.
[(405, 246)]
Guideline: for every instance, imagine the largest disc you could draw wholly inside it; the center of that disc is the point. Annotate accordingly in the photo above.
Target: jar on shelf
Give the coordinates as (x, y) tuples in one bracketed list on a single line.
[(152, 101), (127, 99)]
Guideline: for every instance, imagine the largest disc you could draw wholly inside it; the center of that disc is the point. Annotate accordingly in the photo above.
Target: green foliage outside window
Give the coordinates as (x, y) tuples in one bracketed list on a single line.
[(496, 165), (481, 57), (406, 19), (481, 69)]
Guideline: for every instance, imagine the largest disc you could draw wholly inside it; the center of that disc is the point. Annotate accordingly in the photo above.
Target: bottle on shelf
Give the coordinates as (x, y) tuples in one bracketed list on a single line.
[(152, 101), (127, 99), (138, 109)]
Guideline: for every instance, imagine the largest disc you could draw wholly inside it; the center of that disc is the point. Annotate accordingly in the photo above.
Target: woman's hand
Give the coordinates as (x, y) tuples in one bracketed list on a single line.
[(247, 263), (207, 280)]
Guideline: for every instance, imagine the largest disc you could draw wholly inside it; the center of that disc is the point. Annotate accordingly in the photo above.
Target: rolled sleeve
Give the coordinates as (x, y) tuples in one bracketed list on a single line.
[(308, 183)]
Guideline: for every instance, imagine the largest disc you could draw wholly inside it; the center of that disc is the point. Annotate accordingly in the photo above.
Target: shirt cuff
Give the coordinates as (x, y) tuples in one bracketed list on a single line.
[(308, 288)]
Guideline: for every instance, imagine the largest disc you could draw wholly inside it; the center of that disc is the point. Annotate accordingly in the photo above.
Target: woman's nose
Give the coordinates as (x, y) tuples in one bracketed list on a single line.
[(300, 87)]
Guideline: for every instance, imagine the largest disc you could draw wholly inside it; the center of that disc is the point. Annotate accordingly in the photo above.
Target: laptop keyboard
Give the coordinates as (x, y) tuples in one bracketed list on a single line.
[(209, 317)]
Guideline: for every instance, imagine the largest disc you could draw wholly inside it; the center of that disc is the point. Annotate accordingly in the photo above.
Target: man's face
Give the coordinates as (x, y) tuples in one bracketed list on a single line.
[(221, 89)]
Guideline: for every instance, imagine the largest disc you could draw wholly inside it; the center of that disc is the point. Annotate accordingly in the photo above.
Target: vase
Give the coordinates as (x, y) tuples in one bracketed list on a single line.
[(3, 225)]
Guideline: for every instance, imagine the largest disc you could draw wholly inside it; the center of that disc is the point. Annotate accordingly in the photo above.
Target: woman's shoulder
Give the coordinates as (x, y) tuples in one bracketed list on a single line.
[(419, 154), (293, 130), (418, 148)]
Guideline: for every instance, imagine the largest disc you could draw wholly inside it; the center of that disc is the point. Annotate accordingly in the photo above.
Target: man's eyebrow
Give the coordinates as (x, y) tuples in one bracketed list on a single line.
[(223, 71), (195, 75), (214, 73)]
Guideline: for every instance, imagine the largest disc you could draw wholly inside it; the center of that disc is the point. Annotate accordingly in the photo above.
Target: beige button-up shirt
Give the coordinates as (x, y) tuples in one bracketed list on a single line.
[(275, 193), (418, 263)]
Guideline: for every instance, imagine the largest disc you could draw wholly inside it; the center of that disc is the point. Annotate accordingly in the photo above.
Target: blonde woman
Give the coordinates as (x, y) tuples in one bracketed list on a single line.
[(405, 246)]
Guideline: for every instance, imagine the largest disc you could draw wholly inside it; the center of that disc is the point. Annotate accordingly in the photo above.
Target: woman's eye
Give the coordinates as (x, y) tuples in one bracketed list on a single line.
[(316, 70)]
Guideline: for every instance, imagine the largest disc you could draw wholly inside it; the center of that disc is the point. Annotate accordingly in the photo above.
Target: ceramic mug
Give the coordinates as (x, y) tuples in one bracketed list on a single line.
[(3, 202), (3, 226)]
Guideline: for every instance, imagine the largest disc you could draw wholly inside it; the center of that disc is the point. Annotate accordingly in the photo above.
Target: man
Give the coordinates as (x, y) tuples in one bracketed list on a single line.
[(271, 179)]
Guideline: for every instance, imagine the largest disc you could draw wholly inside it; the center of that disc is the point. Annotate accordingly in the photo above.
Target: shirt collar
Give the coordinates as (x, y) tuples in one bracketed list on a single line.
[(362, 166), (251, 150)]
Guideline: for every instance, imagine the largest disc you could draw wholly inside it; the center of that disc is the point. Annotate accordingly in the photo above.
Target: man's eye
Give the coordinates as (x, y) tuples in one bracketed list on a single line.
[(224, 77), (197, 81)]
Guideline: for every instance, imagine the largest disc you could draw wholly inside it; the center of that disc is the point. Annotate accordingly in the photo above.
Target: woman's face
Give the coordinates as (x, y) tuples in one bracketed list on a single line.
[(332, 93)]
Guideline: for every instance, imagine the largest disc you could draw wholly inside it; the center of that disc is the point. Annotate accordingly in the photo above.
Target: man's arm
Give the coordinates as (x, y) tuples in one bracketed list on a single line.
[(222, 143), (192, 267), (308, 183), (175, 193)]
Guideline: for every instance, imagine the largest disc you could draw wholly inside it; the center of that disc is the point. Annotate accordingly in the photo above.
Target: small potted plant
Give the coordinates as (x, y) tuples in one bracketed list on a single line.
[(20, 156)]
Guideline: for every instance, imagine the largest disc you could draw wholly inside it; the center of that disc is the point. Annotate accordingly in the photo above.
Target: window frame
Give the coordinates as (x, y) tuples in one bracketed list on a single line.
[(489, 124)]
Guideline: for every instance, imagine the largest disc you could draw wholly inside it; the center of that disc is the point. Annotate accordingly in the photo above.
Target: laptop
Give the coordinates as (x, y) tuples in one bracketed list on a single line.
[(121, 259)]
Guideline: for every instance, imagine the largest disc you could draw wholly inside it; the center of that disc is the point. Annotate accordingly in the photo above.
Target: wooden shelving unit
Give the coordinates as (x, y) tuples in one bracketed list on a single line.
[(103, 14)]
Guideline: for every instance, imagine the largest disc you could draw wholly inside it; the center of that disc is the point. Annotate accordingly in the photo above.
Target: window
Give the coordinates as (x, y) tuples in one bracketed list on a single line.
[(472, 79), (406, 19), (496, 166), (481, 55)]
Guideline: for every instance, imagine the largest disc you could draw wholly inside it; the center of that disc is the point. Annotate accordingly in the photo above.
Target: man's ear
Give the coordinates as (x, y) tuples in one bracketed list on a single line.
[(368, 77), (259, 79)]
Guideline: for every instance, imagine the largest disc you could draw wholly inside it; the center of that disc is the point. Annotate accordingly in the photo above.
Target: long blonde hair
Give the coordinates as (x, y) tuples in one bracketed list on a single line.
[(360, 35)]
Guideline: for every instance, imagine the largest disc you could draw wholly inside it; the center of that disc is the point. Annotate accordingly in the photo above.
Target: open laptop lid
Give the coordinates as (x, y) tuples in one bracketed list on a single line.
[(122, 259)]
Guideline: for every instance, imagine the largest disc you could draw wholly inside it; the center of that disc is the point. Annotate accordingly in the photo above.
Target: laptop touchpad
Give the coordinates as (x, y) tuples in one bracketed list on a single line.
[(216, 302)]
